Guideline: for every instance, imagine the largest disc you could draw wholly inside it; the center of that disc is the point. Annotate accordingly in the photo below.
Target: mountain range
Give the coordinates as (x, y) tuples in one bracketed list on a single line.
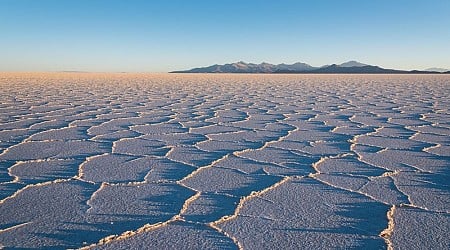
[(350, 67)]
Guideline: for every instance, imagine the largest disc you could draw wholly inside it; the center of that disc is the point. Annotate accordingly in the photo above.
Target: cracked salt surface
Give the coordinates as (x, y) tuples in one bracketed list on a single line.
[(120, 161)]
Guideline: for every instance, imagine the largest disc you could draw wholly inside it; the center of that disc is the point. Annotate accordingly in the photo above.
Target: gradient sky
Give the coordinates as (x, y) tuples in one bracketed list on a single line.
[(159, 36)]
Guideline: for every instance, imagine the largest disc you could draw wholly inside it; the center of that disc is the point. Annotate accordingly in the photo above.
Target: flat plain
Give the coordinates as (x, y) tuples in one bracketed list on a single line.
[(224, 161)]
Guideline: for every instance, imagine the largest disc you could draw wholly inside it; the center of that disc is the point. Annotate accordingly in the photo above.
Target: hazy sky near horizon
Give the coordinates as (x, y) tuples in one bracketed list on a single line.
[(160, 36)]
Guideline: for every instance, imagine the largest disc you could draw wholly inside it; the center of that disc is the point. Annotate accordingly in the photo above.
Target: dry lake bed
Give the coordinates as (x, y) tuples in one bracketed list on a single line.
[(193, 161)]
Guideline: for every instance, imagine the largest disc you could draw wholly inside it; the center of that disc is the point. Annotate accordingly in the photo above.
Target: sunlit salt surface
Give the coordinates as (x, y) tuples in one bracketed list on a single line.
[(151, 161)]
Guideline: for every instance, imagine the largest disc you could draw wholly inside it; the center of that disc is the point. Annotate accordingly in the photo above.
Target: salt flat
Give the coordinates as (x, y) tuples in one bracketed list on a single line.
[(177, 161)]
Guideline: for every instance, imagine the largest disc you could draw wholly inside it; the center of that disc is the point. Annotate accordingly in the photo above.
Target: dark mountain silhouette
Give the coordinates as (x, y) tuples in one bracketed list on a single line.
[(356, 69), (350, 67), (242, 67)]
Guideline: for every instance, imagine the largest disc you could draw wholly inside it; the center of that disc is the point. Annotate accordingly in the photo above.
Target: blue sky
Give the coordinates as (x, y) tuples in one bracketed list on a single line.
[(159, 36)]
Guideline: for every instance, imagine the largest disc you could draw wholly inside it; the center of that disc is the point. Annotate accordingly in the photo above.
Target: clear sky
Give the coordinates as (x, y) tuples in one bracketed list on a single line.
[(164, 35)]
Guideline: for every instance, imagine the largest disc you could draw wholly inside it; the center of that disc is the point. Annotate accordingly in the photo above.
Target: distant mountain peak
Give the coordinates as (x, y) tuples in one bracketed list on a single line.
[(352, 64)]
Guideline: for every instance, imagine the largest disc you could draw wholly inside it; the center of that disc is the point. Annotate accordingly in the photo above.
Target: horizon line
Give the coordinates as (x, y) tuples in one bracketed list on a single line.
[(446, 69)]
